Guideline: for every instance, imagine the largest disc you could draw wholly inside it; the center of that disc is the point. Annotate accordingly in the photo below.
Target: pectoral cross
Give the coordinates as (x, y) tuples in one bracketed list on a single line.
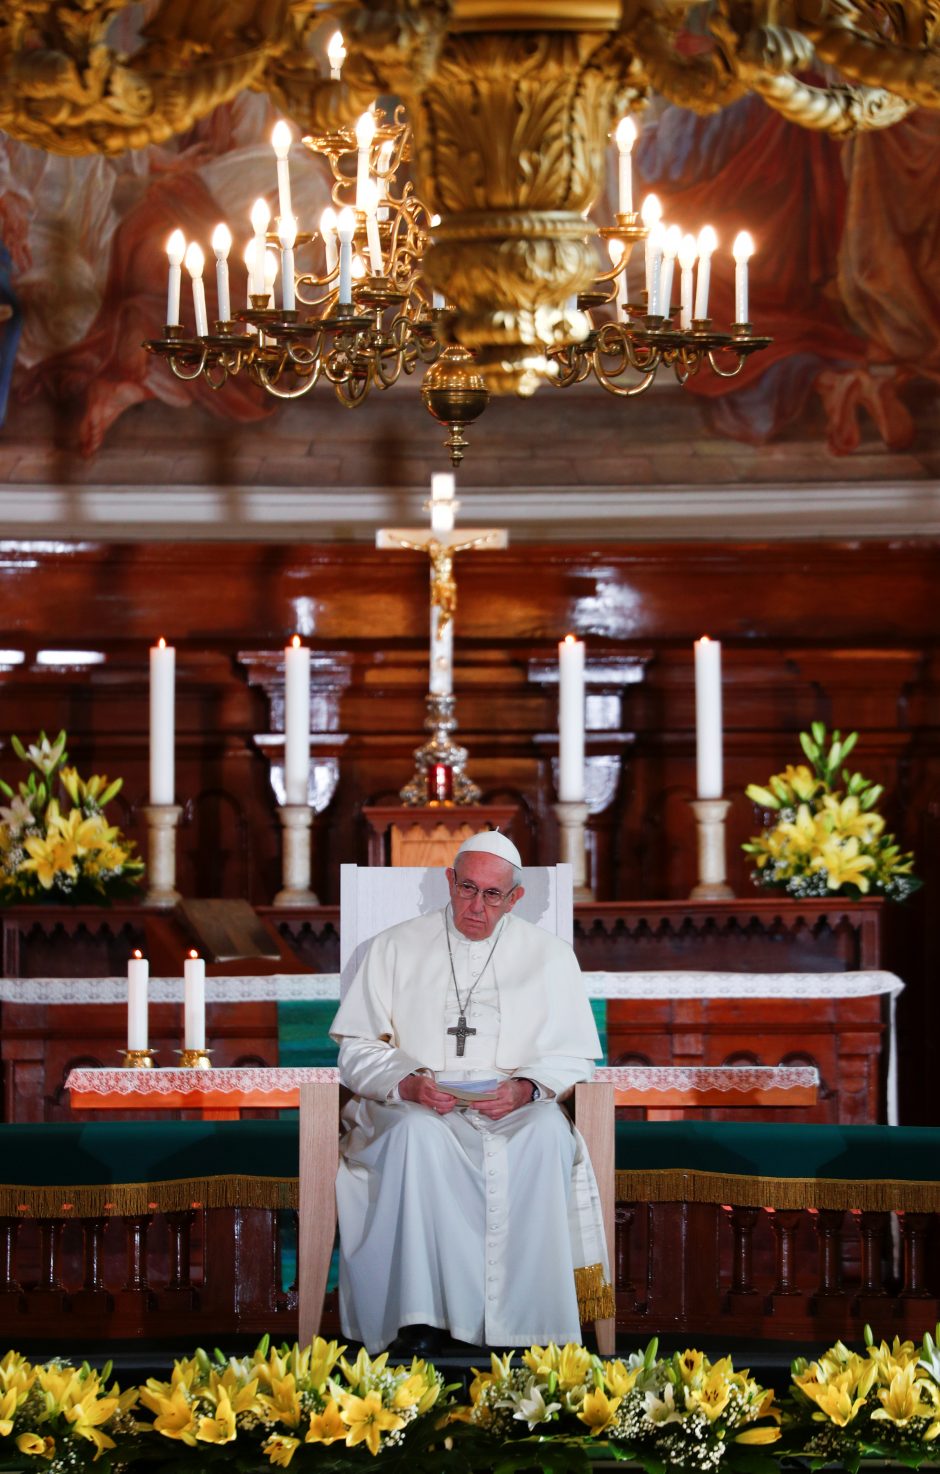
[(460, 1033)]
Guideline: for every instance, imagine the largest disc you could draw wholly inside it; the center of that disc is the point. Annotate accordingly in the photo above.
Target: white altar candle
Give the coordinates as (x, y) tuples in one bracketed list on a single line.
[(708, 754), (175, 251), (296, 722), (221, 245), (571, 720), (365, 132), (194, 1002), (138, 971), (441, 676), (162, 716), (625, 137), (743, 248), (281, 142), (195, 265), (707, 241)]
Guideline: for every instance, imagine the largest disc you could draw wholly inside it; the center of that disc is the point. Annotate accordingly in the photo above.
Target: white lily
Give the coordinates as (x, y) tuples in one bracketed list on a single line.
[(530, 1406), (662, 1410), (17, 816)]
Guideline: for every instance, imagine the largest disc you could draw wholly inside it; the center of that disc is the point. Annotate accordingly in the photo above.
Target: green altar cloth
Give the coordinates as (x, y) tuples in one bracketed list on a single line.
[(131, 1166)]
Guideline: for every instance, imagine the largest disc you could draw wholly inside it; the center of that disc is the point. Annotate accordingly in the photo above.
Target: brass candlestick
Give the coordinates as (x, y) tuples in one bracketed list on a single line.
[(440, 750), (139, 1059), (195, 1059)]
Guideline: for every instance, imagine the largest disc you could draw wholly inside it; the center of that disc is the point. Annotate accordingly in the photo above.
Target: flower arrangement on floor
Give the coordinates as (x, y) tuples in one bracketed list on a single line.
[(558, 1409), (682, 1410), (55, 842), (827, 837)]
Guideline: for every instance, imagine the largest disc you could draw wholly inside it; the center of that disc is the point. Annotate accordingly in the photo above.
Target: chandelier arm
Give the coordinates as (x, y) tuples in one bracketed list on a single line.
[(271, 386), (193, 369), (875, 61), (841, 112), (725, 373), (705, 84)]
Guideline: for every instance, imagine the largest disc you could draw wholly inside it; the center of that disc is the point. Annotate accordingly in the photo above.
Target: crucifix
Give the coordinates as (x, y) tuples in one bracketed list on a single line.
[(439, 774), (461, 1033)]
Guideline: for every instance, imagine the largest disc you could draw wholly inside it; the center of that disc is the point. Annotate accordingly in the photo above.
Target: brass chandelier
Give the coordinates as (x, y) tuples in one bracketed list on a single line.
[(509, 106)]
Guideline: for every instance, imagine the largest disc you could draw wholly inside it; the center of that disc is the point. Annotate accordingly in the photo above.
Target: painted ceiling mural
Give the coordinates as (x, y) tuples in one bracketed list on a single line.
[(846, 278)]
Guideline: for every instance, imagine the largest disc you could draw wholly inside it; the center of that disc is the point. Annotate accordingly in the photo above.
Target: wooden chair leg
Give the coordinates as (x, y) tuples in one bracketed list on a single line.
[(316, 1221), (594, 1116)]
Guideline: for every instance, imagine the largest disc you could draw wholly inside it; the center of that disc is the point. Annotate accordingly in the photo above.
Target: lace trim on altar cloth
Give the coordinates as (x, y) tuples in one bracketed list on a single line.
[(708, 1077), (237, 1080)]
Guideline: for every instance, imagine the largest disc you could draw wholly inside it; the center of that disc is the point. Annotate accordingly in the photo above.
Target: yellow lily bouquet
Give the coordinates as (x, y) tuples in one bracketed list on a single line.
[(826, 836), (683, 1411), (55, 843), (60, 1417), (290, 1403), (882, 1404)]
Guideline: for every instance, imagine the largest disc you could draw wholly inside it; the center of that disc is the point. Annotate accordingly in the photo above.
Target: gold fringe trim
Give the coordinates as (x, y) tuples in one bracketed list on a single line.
[(872, 1195), (595, 1295), (95, 1200)]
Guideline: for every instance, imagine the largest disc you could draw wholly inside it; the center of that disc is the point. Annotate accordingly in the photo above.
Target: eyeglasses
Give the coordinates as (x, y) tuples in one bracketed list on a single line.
[(490, 897)]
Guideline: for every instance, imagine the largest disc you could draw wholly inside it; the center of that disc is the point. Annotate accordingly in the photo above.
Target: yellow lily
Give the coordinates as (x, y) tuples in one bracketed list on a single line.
[(8, 1405), (221, 1428), (367, 1420), (712, 1396), (542, 1360), (690, 1365), (363, 1369), (499, 1371), (836, 1403), (904, 1399), (843, 863), (283, 1403), (758, 1435), (574, 1366), (619, 1378), (408, 1393), (31, 1443), (280, 1448), (323, 1356), (598, 1411), (16, 1371), (174, 1415), (326, 1427)]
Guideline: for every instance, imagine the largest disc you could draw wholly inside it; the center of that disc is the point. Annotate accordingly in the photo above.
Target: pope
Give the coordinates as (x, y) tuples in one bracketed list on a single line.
[(467, 1204)]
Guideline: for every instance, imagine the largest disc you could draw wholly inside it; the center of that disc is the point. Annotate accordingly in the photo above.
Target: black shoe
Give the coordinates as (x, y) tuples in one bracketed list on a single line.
[(418, 1340)]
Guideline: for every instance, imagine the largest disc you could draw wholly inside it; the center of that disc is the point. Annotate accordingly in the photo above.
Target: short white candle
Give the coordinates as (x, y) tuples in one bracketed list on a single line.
[(281, 142), (195, 265), (571, 720), (328, 234), (287, 234), (194, 1002), (651, 212), (336, 55), (162, 720), (296, 722), (707, 241), (743, 248), (625, 137), (442, 502), (260, 219), (345, 229), (687, 254), (654, 246), (221, 245), (138, 971), (175, 250), (708, 753), (671, 244), (365, 132), (371, 206)]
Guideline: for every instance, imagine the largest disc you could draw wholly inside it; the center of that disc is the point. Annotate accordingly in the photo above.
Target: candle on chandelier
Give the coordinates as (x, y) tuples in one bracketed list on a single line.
[(138, 972), (328, 236), (365, 132), (194, 1002), (287, 235), (671, 243), (437, 298), (281, 142), (651, 212), (260, 220), (571, 720), (195, 265), (708, 736), (742, 249), (370, 205), (175, 250), (296, 722), (336, 55), (162, 721), (619, 255), (707, 242), (625, 136), (442, 502), (221, 245), (687, 254), (655, 243), (383, 170), (270, 276), (345, 229)]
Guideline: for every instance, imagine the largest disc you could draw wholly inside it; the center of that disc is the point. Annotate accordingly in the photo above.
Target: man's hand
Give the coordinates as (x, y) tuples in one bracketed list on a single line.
[(508, 1097), (423, 1091)]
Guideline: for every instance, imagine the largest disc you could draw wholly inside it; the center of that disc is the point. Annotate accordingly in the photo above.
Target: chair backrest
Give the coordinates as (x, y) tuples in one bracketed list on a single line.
[(375, 897)]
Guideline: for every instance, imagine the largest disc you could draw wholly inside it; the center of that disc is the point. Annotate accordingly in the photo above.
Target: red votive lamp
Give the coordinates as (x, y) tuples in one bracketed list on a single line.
[(442, 783)]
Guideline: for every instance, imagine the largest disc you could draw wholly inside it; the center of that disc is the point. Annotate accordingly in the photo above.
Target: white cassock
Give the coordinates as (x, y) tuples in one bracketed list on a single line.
[(489, 1229)]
